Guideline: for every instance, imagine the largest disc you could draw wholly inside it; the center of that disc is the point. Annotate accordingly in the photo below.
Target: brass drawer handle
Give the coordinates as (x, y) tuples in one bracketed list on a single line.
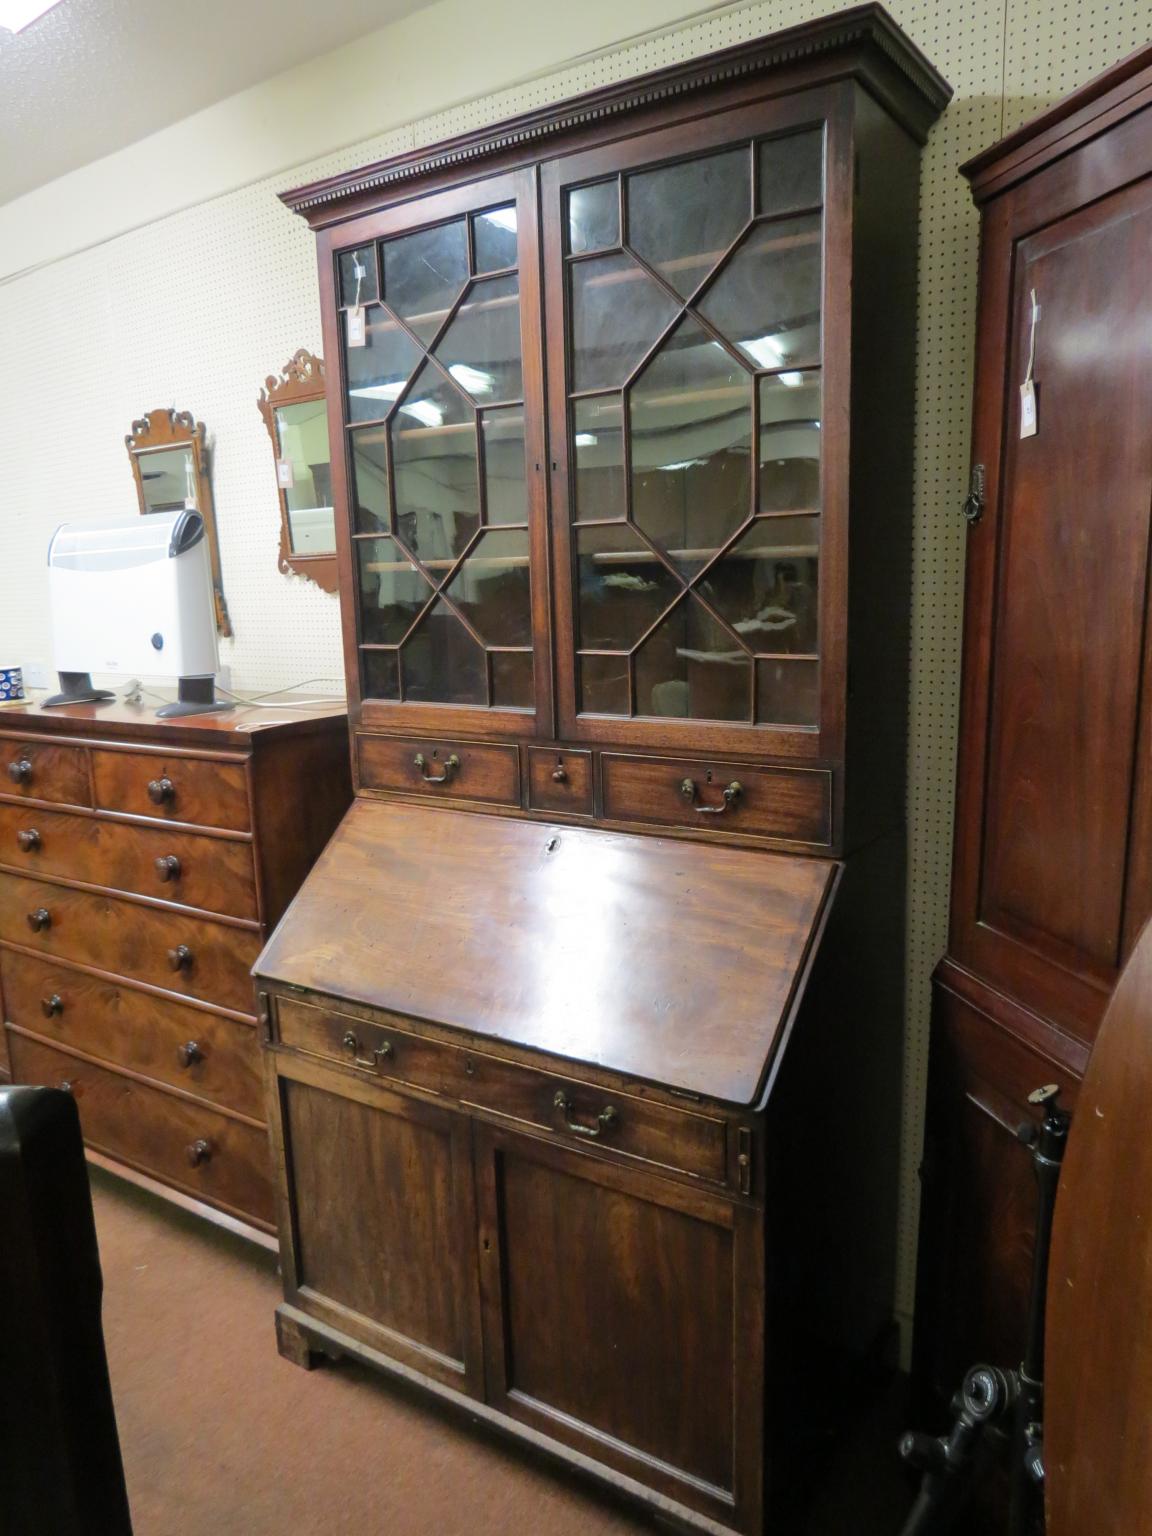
[(161, 791), (451, 766), (29, 840), (189, 1053), (728, 801), (381, 1053), (607, 1120), (40, 919), (180, 958), (167, 868), (52, 1007), (198, 1152), (20, 770)]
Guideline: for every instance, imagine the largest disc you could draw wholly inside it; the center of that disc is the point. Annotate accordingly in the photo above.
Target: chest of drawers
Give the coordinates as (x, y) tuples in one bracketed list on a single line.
[(142, 864)]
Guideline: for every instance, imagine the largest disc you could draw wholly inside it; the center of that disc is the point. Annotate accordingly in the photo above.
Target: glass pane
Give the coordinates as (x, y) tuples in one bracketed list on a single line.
[(767, 298), (618, 312), (358, 276), (378, 371), (598, 446), (381, 675), (423, 275), (691, 415), (494, 239), (434, 461), (370, 480), (788, 692), (481, 348), (491, 588), (168, 476), (593, 217), (392, 591), (302, 443), (765, 586), (505, 489), (623, 587), (692, 667), (792, 172), (604, 685), (442, 663), (683, 218), (512, 680)]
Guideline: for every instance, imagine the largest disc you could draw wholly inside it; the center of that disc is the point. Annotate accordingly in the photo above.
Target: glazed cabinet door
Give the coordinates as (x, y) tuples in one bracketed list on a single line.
[(435, 317), (698, 505), (377, 1218), (623, 1317)]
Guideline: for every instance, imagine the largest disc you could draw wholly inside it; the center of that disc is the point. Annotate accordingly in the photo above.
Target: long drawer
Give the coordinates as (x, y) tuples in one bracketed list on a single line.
[(214, 1057), (40, 770), (205, 792), (191, 955), (206, 1154), (572, 1109), (792, 804), (215, 873)]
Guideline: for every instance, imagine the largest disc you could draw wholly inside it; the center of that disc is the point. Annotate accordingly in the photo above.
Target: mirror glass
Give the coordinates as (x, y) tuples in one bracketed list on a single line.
[(305, 476), (168, 479)]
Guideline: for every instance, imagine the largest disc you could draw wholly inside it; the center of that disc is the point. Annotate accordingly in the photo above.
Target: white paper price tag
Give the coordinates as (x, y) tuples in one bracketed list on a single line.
[(1028, 409), (285, 474), (357, 335)]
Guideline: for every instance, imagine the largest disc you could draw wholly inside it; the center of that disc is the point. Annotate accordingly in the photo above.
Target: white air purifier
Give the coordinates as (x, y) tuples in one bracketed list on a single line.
[(134, 596)]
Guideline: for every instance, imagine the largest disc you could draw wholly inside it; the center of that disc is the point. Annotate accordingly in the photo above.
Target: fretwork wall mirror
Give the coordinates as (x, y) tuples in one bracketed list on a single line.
[(293, 406)]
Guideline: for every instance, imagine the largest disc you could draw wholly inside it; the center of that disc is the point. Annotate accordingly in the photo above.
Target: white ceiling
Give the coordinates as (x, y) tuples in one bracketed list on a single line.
[(94, 75)]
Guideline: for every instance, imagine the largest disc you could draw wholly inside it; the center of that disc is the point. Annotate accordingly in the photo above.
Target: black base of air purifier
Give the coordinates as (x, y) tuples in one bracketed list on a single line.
[(76, 688), (195, 696)]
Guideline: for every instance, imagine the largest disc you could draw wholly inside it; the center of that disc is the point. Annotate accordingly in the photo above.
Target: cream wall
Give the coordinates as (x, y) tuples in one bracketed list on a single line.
[(169, 274)]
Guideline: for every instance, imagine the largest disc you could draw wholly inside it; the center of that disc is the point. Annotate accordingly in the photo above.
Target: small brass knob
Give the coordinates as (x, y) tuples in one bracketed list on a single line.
[(52, 1006), (20, 770), (198, 1152), (40, 919), (189, 1054), (167, 868), (350, 1042), (29, 840), (180, 958), (161, 791)]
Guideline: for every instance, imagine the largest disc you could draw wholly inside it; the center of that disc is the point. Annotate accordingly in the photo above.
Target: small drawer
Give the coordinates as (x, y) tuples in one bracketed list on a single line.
[(214, 873), (200, 791), (195, 956), (216, 1058), (447, 770), (209, 1155), (792, 804), (39, 770), (560, 780)]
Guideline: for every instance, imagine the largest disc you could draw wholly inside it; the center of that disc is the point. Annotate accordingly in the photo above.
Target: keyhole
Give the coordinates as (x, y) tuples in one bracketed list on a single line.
[(708, 778)]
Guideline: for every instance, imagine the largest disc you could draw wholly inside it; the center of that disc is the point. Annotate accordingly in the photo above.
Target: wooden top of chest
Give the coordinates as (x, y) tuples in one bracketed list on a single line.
[(651, 957), (236, 729)]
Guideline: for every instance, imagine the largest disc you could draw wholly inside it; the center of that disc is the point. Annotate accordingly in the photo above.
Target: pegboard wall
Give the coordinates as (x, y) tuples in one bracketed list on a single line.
[(194, 310)]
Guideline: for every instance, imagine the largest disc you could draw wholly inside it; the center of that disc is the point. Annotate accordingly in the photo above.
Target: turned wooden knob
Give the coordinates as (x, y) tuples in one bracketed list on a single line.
[(161, 791), (50, 1007), (180, 958), (40, 919), (168, 867), (198, 1152), (189, 1054), (20, 770), (560, 774), (29, 840)]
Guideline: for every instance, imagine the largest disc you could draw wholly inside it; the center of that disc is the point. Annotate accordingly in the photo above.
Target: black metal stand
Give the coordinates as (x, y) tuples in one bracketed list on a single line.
[(991, 1398), (76, 688), (195, 696)]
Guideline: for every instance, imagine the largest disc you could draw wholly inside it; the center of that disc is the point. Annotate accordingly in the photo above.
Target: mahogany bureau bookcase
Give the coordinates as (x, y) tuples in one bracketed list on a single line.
[(142, 863), (586, 1027)]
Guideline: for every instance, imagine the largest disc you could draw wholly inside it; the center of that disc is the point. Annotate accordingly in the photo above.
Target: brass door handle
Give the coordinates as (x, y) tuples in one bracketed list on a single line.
[(189, 1054), (167, 867), (198, 1152), (381, 1052), (52, 1006), (607, 1120), (180, 958), (20, 770), (451, 766), (40, 919), (161, 791), (732, 793), (29, 840)]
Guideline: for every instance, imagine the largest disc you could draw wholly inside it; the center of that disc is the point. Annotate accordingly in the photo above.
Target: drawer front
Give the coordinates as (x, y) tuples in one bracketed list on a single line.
[(217, 1059), (793, 804), (208, 1155), (193, 789), (560, 780), (584, 1114), (448, 770), (189, 955), (214, 873), (38, 770)]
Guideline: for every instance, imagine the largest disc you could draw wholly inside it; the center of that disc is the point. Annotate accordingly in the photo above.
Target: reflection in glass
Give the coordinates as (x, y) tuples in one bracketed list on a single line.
[(791, 172), (302, 445), (598, 453), (683, 218), (505, 490), (691, 415), (392, 591), (434, 462), (494, 239), (168, 476), (481, 348), (767, 298), (604, 685), (512, 680), (618, 312), (378, 371), (381, 674), (423, 275), (370, 480), (765, 586), (491, 588), (623, 586), (593, 217), (443, 664), (358, 276), (691, 666), (788, 692)]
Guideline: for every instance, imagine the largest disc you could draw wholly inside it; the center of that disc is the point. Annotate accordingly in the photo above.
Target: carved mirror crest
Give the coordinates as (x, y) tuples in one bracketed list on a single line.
[(169, 455), (295, 412)]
